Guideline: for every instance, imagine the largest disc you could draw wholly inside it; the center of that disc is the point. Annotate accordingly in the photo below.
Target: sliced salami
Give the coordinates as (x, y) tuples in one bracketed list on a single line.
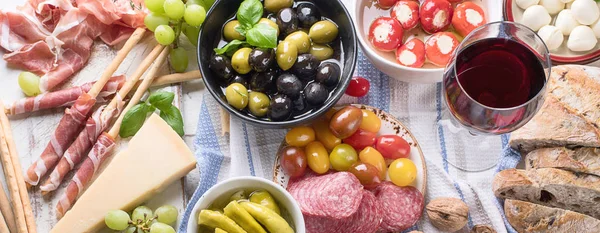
[(402, 206)]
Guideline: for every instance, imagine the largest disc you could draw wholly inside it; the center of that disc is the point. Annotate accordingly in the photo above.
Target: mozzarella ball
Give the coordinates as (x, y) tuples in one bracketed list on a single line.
[(536, 17), (566, 22), (552, 6), (582, 39), (585, 12), (524, 4), (568, 6), (566, 1), (596, 28), (552, 36)]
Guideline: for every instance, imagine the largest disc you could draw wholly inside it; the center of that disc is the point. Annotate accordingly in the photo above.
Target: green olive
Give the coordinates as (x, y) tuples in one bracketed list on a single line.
[(276, 5), (265, 199), (301, 40), (230, 33), (323, 32), (239, 195), (321, 52), (239, 61), (237, 95), (270, 23), (286, 54), (259, 104)]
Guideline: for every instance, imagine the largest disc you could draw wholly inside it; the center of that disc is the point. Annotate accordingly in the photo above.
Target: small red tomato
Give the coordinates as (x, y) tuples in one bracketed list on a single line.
[(407, 13), (386, 34), (392, 146), (361, 139), (293, 161), (411, 53), (440, 47), (436, 15), (467, 16), (385, 4), (358, 87), (367, 174), (455, 1)]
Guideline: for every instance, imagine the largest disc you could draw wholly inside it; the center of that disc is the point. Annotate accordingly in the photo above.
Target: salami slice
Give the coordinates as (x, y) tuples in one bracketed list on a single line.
[(402, 206), (335, 196)]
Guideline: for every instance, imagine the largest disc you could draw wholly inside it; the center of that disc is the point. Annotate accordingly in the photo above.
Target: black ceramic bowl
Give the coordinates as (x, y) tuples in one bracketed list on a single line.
[(210, 35)]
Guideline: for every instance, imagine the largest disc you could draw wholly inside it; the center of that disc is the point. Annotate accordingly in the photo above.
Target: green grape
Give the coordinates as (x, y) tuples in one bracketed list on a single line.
[(154, 20), (167, 214), (155, 5), (178, 59), (160, 227), (194, 15), (117, 220), (141, 212), (164, 35), (131, 230), (191, 33), (174, 9), (29, 83)]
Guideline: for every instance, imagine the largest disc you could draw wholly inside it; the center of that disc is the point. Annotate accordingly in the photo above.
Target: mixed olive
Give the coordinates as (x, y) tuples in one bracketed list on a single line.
[(287, 78)]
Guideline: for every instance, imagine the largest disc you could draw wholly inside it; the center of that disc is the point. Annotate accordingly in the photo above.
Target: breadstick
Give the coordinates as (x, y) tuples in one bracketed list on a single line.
[(11, 180), (224, 122), (175, 78), (6, 210), (3, 226)]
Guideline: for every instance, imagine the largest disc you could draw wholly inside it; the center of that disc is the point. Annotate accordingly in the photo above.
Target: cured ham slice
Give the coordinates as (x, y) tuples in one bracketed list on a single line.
[(19, 28), (124, 12), (36, 58), (49, 12), (64, 97)]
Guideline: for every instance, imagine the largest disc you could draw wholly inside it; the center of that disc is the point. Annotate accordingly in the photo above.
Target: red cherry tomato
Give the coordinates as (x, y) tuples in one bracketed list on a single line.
[(293, 161), (411, 53), (467, 16), (407, 13), (436, 15), (385, 34), (440, 47), (385, 4), (392, 146), (361, 139), (367, 174), (358, 87)]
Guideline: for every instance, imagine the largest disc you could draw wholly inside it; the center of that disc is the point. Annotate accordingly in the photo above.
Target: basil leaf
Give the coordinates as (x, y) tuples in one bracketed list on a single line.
[(173, 117), (161, 99), (249, 13), (263, 36), (241, 30), (230, 47), (134, 119)]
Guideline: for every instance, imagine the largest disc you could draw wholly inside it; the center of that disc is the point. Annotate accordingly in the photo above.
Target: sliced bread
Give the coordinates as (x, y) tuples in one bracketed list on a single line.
[(530, 217), (584, 160), (551, 187)]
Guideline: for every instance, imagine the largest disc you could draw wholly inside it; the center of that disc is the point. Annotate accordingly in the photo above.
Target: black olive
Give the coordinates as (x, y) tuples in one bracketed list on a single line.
[(300, 103), (238, 78), (308, 14), (263, 81), (287, 20), (306, 66), (261, 59), (316, 93), (280, 108), (221, 65), (328, 74), (289, 85)]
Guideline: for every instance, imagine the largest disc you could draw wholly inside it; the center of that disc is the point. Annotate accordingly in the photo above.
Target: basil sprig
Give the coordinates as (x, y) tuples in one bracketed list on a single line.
[(136, 116), (257, 35)]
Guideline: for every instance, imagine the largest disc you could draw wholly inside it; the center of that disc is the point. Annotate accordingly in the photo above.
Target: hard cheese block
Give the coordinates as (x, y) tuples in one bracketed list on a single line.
[(156, 156)]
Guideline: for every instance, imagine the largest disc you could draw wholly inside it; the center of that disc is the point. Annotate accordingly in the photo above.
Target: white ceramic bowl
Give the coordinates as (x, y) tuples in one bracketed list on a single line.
[(230, 186), (386, 62)]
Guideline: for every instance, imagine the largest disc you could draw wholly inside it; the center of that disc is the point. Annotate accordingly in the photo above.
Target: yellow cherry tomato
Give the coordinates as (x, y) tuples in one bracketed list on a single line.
[(402, 172), (300, 136), (325, 136), (317, 156), (371, 156), (342, 157), (370, 122)]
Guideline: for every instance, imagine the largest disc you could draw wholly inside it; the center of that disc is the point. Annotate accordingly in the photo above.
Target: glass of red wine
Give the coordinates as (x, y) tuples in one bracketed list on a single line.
[(494, 84)]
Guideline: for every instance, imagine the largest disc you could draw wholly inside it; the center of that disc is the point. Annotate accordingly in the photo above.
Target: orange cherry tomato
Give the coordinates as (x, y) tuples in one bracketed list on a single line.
[(370, 122), (392, 146), (300, 136), (293, 161), (402, 172), (371, 156), (367, 174), (325, 136), (317, 156)]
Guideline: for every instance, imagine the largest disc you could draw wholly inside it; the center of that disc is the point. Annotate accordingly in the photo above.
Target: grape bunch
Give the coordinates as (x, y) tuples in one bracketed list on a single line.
[(169, 18), (142, 220)]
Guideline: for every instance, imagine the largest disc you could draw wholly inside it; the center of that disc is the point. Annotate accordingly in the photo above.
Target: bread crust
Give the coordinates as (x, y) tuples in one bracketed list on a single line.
[(530, 217), (583, 160)]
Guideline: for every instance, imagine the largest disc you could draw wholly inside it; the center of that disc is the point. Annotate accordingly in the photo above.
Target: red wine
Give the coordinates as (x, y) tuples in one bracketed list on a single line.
[(493, 77)]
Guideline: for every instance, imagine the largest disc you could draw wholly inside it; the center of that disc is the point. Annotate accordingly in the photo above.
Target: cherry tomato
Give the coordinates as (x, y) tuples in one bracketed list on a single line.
[(464, 23), (342, 157), (407, 13), (358, 87), (317, 156), (371, 156), (293, 161), (361, 139), (345, 122), (440, 47), (385, 34), (411, 53), (402, 172), (385, 4), (392, 146), (325, 136), (330, 113), (367, 174), (436, 15), (300, 136), (370, 122)]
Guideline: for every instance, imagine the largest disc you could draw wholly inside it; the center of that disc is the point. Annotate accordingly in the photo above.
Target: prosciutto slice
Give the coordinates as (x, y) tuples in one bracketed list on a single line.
[(65, 97), (65, 133)]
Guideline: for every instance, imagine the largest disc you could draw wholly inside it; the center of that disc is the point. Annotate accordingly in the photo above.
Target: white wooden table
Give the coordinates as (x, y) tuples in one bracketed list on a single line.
[(32, 131)]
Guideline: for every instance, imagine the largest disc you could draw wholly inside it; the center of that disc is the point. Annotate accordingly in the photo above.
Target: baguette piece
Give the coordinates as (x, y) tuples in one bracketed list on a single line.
[(529, 217), (551, 187), (583, 160)]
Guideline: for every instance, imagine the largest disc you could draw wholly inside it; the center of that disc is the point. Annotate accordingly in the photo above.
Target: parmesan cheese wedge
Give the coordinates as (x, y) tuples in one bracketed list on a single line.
[(156, 157)]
